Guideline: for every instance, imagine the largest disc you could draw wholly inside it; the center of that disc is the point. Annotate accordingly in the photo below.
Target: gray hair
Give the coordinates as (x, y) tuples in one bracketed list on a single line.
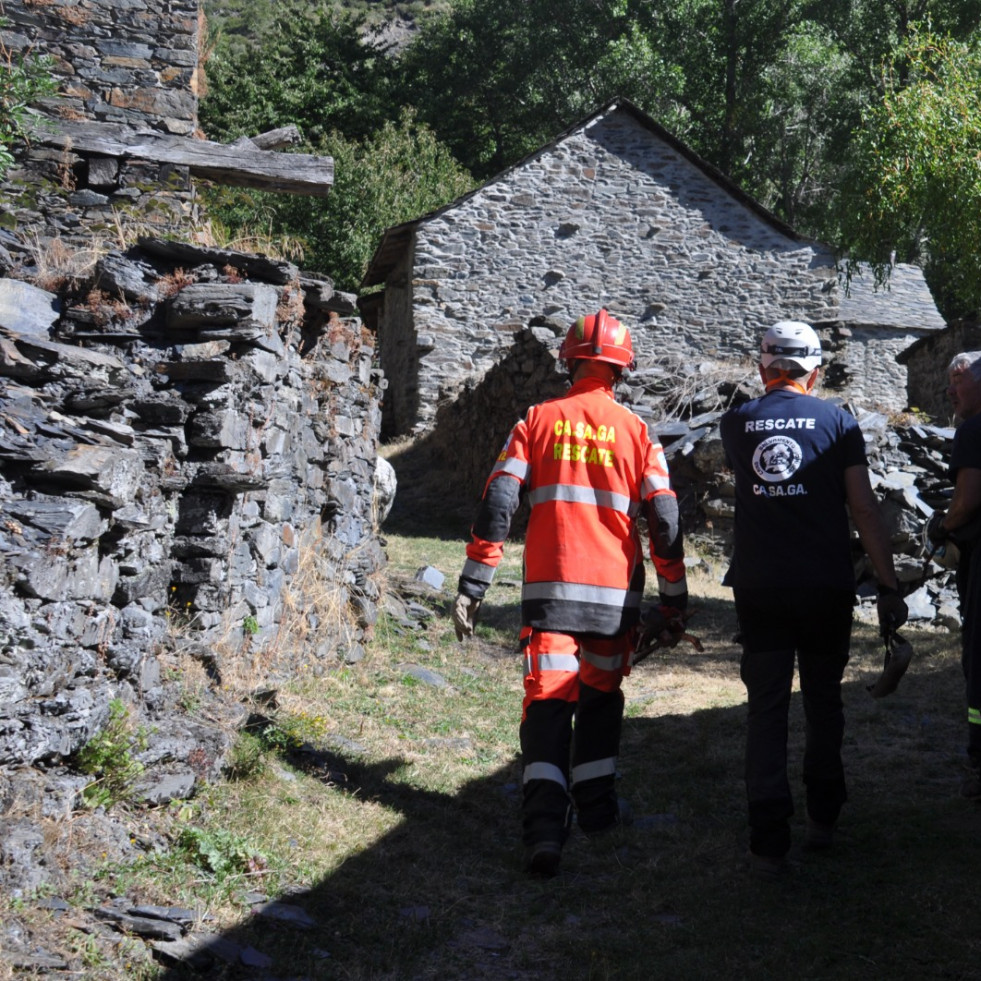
[(966, 361)]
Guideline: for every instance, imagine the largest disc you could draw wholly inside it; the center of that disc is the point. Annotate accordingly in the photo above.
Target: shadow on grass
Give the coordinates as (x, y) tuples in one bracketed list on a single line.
[(443, 895)]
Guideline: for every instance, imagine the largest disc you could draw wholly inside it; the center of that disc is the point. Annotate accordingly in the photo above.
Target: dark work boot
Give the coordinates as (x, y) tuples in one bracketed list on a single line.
[(542, 859)]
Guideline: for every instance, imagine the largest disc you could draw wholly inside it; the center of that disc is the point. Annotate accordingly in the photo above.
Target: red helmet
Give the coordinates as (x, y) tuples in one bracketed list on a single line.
[(598, 337)]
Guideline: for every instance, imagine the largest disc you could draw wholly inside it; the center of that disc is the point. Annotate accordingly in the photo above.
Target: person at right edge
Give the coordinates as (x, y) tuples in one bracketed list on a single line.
[(798, 461), (961, 524)]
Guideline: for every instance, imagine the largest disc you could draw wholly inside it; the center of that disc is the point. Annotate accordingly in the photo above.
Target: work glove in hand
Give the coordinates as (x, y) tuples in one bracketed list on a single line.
[(661, 624), (935, 532), (892, 610), (465, 615)]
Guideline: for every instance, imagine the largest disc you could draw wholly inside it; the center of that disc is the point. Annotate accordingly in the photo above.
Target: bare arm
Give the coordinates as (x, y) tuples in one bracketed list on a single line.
[(871, 530), (966, 502)]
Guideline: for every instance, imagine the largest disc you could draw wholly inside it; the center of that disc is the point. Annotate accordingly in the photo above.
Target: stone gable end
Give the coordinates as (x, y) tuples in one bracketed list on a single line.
[(610, 215)]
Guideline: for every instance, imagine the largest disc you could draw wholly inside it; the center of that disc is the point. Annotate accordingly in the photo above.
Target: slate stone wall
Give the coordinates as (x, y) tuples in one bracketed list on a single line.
[(121, 61), (131, 64), (926, 363), (187, 461), (861, 362)]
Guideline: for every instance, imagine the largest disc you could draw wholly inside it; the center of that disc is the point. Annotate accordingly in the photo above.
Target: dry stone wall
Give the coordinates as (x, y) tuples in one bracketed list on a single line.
[(187, 462), (926, 362), (130, 62), (131, 66)]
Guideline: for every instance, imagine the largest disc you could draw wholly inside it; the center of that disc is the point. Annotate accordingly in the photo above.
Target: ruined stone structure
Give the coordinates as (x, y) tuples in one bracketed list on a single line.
[(616, 212), (926, 363), (124, 67), (117, 146), (188, 435)]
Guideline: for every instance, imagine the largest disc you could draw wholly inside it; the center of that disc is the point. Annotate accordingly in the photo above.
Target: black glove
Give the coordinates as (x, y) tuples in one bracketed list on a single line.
[(892, 610), (936, 533)]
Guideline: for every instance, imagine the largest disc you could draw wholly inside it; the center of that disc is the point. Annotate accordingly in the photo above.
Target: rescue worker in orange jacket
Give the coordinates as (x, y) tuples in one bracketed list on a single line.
[(589, 470)]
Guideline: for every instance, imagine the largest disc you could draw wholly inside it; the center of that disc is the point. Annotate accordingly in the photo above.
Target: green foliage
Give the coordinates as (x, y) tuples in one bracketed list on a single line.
[(247, 757), (803, 113), (915, 187), (496, 78), (247, 23), (23, 80), (314, 68), (250, 625), (218, 851), (397, 174), (109, 757)]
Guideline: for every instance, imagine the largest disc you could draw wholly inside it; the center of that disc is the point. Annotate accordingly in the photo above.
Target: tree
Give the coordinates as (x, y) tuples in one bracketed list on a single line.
[(914, 191), (803, 111), (398, 173), (497, 78), (871, 31), (24, 79), (314, 68)]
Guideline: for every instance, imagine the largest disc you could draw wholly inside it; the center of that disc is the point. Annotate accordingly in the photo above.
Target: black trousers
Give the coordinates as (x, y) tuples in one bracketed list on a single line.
[(778, 626), (969, 591)]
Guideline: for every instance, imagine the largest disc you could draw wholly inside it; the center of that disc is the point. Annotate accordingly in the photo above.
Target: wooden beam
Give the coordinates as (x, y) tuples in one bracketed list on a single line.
[(237, 165), (274, 139)]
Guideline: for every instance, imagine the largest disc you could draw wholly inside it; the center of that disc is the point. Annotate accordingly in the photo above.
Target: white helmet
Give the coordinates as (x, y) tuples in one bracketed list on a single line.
[(791, 343)]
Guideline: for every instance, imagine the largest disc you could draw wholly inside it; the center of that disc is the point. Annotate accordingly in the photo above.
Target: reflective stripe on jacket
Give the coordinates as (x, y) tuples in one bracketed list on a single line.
[(589, 469)]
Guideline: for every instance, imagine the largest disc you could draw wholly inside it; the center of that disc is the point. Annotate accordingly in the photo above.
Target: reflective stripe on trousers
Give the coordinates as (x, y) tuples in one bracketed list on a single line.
[(555, 664), (570, 684)]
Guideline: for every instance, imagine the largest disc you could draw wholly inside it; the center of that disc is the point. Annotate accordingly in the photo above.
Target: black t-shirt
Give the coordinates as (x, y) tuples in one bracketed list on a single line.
[(966, 454), (789, 452), (966, 451)]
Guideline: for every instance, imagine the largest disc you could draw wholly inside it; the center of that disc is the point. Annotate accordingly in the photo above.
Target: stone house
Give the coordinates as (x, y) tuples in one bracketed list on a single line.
[(926, 364), (617, 212)]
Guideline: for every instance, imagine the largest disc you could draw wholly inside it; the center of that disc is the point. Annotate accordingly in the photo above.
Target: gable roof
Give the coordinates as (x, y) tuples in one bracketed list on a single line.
[(396, 239)]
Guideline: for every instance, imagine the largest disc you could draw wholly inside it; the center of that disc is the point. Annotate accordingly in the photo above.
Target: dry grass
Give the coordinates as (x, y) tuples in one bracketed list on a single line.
[(59, 265), (254, 239)]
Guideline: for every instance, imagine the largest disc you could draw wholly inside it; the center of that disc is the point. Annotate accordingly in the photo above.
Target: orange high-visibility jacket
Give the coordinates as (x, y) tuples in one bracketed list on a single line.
[(589, 468)]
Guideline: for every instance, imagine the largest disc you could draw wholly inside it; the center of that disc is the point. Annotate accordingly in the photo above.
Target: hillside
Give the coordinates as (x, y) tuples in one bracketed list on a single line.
[(251, 20)]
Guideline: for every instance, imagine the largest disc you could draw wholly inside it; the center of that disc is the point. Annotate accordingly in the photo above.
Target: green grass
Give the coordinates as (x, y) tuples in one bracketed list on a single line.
[(396, 827)]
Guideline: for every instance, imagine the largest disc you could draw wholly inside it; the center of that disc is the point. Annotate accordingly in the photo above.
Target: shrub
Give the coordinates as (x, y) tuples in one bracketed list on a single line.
[(109, 757)]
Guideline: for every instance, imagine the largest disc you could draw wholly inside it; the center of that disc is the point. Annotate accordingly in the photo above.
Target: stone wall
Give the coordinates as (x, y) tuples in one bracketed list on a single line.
[(187, 455), (130, 66), (861, 363), (926, 363), (446, 469), (130, 63)]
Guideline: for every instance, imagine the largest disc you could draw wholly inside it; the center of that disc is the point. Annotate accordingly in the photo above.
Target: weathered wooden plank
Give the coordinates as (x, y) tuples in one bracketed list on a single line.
[(240, 166), (274, 139)]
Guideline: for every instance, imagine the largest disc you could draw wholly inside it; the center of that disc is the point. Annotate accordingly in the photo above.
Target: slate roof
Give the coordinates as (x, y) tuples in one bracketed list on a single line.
[(397, 238), (903, 301)]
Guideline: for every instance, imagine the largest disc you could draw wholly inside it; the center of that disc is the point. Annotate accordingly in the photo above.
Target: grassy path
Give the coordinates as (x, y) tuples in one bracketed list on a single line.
[(381, 800)]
